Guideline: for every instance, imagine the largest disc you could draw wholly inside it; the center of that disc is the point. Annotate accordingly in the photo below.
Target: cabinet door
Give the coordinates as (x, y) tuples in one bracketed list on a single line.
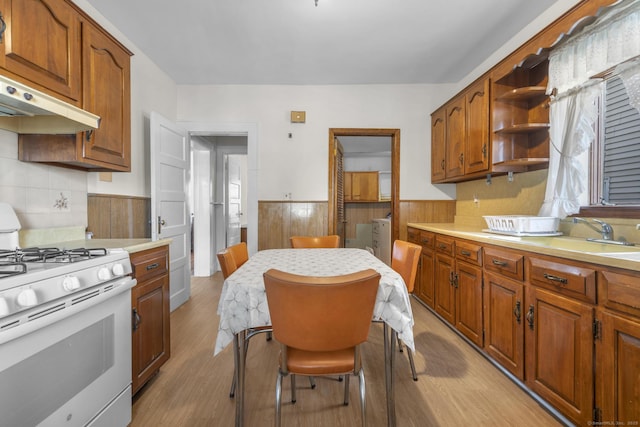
[(41, 46), (364, 186), (618, 369), (477, 128), (503, 322), (559, 358), (438, 132), (150, 329), (106, 70), (455, 137), (468, 289), (426, 291), (444, 291)]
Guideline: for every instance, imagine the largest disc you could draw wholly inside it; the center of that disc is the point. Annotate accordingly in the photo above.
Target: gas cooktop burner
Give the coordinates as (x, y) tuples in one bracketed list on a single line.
[(12, 268), (49, 255)]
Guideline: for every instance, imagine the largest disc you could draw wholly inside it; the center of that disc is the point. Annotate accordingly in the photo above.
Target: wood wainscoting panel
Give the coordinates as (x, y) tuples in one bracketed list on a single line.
[(363, 213), (99, 216), (119, 217), (279, 220), (425, 211)]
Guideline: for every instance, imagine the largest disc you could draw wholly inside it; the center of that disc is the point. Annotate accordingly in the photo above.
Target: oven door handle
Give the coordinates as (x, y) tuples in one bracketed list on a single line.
[(25, 327)]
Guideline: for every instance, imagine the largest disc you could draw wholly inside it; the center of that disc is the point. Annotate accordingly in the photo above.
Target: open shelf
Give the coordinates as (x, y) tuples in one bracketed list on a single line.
[(523, 128), (523, 162), (523, 93)]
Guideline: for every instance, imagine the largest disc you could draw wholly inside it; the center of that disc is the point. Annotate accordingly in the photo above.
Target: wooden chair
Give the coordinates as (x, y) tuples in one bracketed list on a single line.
[(230, 260), (320, 323), (404, 260), (331, 241)]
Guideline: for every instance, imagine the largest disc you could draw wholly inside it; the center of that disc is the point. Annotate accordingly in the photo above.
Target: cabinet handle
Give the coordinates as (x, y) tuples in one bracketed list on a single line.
[(517, 311), (484, 150), (442, 164), (3, 27), (453, 279), (461, 158), (499, 263), (442, 246), (136, 319), (152, 266), (530, 317), (465, 253), (555, 278)]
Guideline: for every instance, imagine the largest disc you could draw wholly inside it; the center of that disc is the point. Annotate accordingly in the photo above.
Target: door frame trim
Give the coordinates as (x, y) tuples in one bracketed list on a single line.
[(395, 174)]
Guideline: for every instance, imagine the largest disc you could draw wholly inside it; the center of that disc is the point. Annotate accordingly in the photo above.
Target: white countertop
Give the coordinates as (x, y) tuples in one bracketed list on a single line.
[(579, 249), (130, 245)]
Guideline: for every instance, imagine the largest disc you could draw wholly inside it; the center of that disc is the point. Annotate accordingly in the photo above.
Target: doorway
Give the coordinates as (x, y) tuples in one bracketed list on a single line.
[(336, 190), (230, 139)]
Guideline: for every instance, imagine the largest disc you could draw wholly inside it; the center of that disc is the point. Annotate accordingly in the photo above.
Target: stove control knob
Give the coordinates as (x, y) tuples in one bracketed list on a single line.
[(70, 283), (4, 307), (118, 269), (27, 298), (104, 273)]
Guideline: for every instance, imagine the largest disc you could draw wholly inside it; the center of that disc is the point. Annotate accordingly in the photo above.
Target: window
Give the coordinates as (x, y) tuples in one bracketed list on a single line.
[(616, 153)]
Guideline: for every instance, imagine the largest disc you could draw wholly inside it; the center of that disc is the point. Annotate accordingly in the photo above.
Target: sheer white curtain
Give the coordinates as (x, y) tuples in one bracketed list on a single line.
[(611, 40)]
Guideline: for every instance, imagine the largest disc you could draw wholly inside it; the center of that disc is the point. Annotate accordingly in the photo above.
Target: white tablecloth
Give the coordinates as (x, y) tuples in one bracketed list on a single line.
[(243, 302)]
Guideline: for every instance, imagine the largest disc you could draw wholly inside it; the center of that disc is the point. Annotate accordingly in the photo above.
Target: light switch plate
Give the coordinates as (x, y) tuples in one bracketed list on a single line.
[(298, 116)]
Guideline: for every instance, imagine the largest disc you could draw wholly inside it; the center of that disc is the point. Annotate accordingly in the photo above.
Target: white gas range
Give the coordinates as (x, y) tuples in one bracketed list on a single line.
[(65, 333)]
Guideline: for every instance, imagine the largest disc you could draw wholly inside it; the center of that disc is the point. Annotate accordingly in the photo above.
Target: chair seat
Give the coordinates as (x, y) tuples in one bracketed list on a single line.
[(320, 363)]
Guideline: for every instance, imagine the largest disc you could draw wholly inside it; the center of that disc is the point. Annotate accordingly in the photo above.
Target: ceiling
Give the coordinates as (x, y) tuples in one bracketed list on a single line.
[(294, 42)]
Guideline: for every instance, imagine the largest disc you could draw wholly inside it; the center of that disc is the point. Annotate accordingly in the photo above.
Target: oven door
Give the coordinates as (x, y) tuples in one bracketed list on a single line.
[(74, 369)]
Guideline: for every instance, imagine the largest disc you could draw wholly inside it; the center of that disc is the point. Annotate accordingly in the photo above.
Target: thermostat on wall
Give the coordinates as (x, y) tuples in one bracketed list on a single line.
[(298, 116)]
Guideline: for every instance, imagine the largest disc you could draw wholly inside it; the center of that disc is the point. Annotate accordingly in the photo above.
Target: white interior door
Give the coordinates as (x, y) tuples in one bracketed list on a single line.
[(169, 211), (234, 198)]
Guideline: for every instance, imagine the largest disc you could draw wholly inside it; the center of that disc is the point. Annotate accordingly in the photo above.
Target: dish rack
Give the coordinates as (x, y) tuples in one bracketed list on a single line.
[(523, 224)]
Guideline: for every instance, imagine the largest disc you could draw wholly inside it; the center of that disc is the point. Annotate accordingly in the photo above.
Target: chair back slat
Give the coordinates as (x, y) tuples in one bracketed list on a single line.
[(331, 241), (321, 313), (404, 260), (232, 258)]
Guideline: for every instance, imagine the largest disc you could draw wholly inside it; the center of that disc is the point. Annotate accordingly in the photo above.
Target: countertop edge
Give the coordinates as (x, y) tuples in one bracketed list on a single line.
[(130, 245), (534, 244)]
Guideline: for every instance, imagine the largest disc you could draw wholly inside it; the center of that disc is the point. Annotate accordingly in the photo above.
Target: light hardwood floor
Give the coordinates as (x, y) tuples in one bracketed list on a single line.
[(456, 386)]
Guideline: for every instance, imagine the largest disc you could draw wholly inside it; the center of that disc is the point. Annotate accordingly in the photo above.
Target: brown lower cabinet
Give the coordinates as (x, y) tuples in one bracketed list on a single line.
[(458, 286), (543, 321), (559, 352), (151, 345), (503, 320)]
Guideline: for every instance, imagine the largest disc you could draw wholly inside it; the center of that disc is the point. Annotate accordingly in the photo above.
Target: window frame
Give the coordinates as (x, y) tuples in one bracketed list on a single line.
[(596, 153)]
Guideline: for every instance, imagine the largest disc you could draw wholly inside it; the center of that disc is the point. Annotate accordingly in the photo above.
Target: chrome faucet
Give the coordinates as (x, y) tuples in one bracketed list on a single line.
[(606, 230)]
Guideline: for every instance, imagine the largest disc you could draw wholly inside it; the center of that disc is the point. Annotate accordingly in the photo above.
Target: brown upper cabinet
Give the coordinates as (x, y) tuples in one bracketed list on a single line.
[(460, 135), (47, 60), (361, 187), (500, 122), (73, 59)]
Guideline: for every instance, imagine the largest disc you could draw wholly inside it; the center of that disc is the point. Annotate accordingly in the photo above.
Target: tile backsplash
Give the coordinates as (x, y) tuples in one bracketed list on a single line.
[(43, 196)]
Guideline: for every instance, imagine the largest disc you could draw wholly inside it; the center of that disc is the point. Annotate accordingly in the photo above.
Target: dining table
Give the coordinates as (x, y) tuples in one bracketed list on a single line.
[(243, 304)]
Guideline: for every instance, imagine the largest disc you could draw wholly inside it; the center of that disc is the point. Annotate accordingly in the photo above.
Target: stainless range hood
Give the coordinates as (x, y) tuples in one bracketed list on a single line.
[(26, 110)]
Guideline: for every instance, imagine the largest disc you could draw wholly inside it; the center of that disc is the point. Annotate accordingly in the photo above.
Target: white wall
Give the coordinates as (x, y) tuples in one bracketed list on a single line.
[(299, 165)]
